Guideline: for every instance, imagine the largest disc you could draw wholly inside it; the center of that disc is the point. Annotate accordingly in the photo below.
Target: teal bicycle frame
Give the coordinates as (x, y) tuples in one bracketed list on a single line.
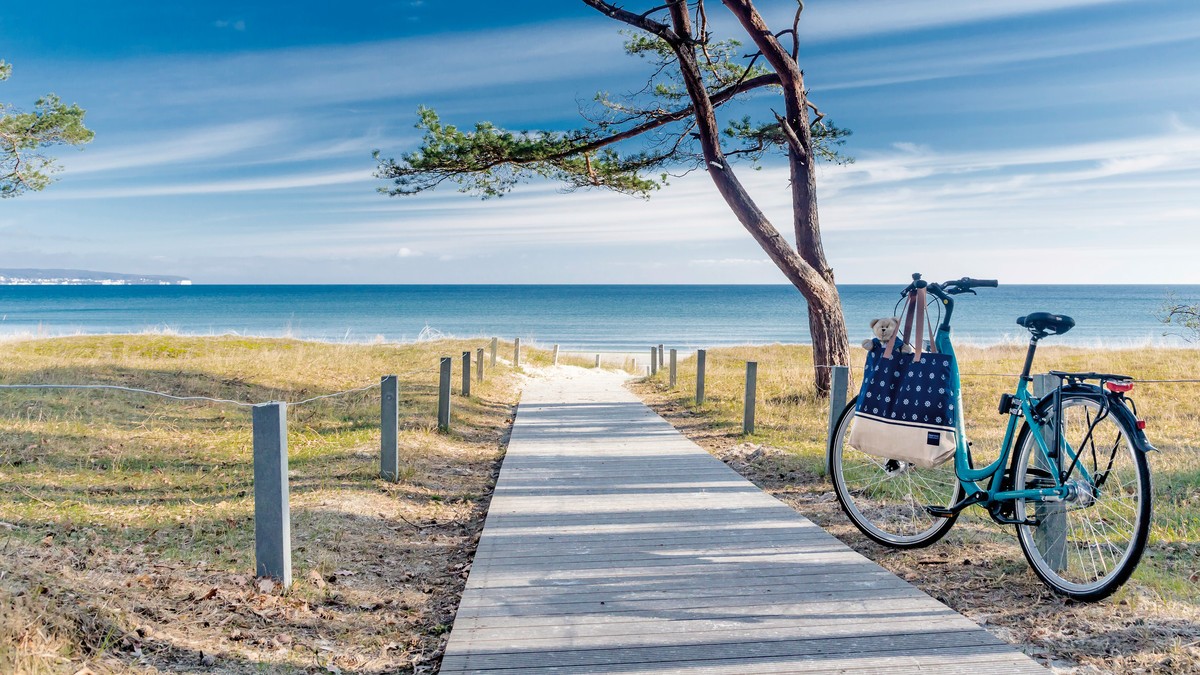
[(970, 476)]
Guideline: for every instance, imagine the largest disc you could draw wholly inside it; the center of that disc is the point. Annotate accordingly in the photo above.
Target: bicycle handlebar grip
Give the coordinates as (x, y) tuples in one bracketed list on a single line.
[(984, 283)]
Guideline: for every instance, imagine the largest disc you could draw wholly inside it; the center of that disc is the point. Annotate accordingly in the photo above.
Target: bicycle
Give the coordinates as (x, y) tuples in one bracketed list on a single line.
[(1077, 489)]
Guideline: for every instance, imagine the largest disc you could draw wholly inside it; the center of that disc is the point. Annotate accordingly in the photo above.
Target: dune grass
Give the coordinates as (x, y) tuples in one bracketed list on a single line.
[(126, 521), (1154, 620)]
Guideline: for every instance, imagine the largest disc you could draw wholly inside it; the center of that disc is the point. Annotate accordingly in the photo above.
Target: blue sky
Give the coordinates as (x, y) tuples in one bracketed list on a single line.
[(1028, 140)]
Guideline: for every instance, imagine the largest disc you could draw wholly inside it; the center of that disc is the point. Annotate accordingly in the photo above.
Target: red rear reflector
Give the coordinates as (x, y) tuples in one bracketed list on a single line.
[(1118, 387), (1141, 424)]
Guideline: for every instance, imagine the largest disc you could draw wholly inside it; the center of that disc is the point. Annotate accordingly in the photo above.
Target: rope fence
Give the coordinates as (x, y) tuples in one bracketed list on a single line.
[(840, 385), (272, 511), (272, 519), (206, 399)]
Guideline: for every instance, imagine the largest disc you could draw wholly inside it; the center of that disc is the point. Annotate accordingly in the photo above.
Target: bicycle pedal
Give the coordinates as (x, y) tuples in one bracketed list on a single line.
[(939, 512)]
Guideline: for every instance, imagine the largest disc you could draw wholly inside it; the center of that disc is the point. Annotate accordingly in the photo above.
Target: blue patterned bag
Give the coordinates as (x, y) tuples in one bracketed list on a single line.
[(906, 406)]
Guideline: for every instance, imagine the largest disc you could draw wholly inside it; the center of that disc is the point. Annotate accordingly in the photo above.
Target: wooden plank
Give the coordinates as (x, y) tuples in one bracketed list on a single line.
[(753, 604), (614, 544), (780, 591), (945, 661), (827, 647), (689, 632)]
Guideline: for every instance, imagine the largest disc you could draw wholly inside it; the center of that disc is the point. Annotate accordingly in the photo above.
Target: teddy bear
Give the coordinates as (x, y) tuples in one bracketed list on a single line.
[(885, 329)]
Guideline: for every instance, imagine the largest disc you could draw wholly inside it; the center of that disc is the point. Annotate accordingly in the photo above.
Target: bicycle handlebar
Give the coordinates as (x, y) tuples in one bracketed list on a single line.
[(954, 287), (965, 284), (946, 289)]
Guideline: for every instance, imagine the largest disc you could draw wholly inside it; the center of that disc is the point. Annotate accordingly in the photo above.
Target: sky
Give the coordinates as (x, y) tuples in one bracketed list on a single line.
[(1033, 141)]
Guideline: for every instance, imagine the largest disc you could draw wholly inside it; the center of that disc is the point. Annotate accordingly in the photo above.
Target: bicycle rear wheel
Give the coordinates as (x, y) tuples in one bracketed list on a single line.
[(1086, 546), (886, 499)]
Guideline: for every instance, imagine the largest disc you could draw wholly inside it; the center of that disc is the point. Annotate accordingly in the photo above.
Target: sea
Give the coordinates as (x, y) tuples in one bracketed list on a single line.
[(613, 318)]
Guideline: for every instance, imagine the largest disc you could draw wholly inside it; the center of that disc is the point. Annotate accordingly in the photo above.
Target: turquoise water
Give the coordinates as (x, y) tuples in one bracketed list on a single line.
[(594, 318)]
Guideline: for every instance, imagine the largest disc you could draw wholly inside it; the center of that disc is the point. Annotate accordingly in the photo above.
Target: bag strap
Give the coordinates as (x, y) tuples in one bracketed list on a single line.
[(932, 344), (908, 319), (914, 312), (911, 313), (919, 343)]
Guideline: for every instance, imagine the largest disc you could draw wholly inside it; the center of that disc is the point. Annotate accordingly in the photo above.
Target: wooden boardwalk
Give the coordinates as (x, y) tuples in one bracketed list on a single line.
[(615, 545)]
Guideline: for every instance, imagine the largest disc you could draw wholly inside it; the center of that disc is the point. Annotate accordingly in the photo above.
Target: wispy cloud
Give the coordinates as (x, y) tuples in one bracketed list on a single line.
[(725, 262), (135, 151), (238, 25), (328, 75), (250, 184), (849, 19), (890, 63)]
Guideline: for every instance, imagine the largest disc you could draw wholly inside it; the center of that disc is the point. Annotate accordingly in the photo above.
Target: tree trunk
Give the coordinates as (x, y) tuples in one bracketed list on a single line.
[(827, 323), (804, 266)]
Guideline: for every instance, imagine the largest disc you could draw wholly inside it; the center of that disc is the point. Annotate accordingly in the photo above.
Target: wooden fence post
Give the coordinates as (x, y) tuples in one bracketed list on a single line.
[(389, 428), (1051, 535), (516, 352), (495, 344), (660, 356), (556, 355), (700, 358), (443, 409), (751, 386), (272, 511), (674, 367), (597, 360), (466, 374), (838, 391), (653, 360), (479, 364)]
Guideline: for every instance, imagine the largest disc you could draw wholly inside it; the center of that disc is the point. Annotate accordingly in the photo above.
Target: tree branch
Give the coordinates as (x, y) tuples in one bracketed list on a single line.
[(718, 99), (813, 107), (796, 30), (637, 21), (790, 133)]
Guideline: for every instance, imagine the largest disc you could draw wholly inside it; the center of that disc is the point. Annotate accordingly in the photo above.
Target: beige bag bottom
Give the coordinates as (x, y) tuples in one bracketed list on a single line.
[(924, 446)]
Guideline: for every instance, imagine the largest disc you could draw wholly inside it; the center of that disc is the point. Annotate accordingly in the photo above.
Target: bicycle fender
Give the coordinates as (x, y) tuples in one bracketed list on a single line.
[(1118, 408)]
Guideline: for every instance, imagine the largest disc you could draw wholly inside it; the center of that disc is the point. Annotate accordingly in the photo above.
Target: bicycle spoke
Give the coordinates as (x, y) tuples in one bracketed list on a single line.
[(1098, 525), (887, 498)]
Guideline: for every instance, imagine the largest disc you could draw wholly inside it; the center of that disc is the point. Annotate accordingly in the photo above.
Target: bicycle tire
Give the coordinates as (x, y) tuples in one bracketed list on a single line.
[(1063, 567), (880, 528)]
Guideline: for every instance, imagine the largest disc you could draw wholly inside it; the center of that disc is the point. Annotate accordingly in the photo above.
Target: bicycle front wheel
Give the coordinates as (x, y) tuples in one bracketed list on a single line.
[(886, 498), (1087, 545)]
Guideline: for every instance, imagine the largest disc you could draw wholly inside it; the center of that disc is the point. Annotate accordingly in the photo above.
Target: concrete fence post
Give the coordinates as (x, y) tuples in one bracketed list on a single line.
[(272, 511), (516, 352), (479, 364), (674, 367), (466, 374), (660, 356), (389, 428), (1051, 535), (495, 345), (751, 386), (443, 409), (839, 385), (700, 358)]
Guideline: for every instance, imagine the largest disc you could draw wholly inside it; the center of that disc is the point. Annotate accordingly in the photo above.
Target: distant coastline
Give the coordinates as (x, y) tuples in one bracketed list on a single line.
[(65, 277)]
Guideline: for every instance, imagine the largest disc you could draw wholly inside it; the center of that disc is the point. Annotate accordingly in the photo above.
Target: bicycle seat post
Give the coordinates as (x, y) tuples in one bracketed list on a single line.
[(1033, 343)]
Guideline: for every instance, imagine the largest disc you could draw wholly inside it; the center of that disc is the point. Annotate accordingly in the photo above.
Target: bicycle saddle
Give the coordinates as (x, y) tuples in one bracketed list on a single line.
[(1045, 323)]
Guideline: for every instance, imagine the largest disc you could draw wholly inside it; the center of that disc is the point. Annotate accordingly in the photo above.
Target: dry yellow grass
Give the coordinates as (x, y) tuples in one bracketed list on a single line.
[(1152, 624), (126, 521)]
